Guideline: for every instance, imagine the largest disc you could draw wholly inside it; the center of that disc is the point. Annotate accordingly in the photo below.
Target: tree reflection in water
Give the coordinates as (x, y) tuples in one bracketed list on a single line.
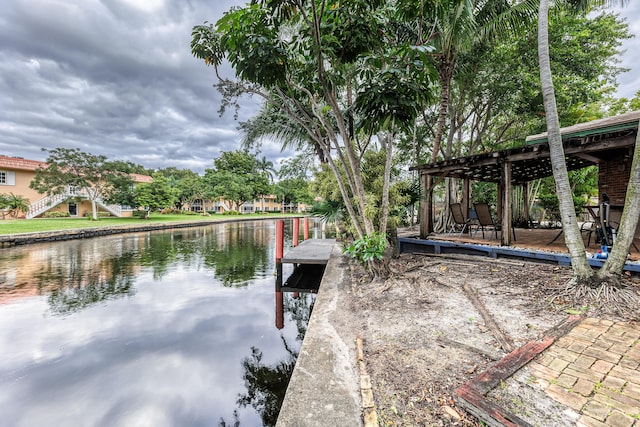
[(79, 284), (236, 253), (267, 384)]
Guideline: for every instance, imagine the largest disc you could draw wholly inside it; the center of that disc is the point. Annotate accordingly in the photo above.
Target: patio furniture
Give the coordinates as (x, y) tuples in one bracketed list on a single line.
[(459, 221), (605, 224), (486, 220)]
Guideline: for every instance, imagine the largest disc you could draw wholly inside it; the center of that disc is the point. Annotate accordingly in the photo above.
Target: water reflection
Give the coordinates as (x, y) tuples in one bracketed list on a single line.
[(163, 329), (267, 384)]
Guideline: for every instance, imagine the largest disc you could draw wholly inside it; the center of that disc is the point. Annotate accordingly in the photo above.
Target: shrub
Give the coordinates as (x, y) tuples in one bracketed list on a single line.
[(55, 214), (369, 248), (230, 213), (101, 214), (170, 211)]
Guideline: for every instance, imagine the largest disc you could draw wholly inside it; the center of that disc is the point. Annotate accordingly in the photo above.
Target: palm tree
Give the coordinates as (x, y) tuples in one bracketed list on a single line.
[(582, 272), (453, 27), (14, 203), (272, 123), (266, 168)]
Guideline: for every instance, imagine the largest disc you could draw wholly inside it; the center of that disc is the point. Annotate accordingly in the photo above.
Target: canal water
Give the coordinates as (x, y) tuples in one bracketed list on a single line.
[(166, 328)]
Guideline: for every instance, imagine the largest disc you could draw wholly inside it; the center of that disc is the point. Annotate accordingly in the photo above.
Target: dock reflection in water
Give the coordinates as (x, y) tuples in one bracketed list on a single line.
[(172, 328)]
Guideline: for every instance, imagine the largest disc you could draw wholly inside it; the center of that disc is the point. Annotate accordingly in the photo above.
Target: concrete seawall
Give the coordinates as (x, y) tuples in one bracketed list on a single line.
[(324, 389), (7, 240)]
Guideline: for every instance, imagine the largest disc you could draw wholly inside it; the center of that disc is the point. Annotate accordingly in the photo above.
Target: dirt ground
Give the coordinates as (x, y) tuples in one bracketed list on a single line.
[(440, 321)]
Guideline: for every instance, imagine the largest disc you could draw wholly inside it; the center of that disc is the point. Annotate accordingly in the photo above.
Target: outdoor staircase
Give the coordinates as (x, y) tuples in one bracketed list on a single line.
[(44, 204), (222, 205)]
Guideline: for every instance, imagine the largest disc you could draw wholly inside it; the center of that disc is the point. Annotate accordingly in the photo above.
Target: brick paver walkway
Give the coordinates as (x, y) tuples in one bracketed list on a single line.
[(595, 370)]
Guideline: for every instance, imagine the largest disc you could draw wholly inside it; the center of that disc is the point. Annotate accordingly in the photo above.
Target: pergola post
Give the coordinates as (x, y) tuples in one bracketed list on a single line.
[(466, 195), (525, 197), (500, 191), (426, 206), (505, 184)]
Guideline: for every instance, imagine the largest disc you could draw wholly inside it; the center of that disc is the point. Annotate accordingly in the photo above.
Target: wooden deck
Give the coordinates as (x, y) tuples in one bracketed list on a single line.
[(534, 244), (314, 251)]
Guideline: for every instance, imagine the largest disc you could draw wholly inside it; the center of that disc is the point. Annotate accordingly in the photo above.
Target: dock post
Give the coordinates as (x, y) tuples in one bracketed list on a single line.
[(279, 309), (306, 228), (279, 255), (296, 231), (279, 240)]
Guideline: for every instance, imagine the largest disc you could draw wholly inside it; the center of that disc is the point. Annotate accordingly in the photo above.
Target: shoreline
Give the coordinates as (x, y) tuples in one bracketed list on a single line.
[(18, 239)]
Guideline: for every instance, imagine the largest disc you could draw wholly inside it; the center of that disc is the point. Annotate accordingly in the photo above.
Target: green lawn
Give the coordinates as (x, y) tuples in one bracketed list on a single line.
[(39, 225)]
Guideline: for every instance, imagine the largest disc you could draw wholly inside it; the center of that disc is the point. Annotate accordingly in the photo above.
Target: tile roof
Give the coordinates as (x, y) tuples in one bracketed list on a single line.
[(141, 178), (20, 163)]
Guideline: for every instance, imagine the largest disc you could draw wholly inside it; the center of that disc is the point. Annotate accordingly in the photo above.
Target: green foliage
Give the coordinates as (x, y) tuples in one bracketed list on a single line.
[(625, 105), (349, 30), (370, 248), (14, 203), (496, 87), (171, 211), (304, 58), (550, 203), (186, 184), (155, 195), (55, 214), (294, 190), (237, 177), (101, 214), (95, 176), (392, 99), (230, 213), (253, 45)]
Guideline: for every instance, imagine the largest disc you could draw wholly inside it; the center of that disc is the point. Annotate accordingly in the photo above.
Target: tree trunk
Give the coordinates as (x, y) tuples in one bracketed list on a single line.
[(614, 266), (445, 80), (94, 210), (581, 270), (384, 208)]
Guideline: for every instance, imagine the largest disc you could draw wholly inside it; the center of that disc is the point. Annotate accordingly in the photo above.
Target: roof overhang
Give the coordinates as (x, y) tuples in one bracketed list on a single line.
[(585, 144)]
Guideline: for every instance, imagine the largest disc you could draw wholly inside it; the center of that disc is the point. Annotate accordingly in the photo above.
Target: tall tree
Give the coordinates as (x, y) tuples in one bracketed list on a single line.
[(91, 176), (582, 272), (187, 184), (236, 177), (309, 59), (455, 27), (155, 195), (266, 168)]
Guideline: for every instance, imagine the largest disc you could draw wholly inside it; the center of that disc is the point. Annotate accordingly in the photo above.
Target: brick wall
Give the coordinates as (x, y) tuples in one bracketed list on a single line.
[(613, 177)]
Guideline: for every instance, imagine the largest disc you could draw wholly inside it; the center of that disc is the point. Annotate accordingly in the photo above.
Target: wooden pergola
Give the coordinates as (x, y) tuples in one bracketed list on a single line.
[(585, 144)]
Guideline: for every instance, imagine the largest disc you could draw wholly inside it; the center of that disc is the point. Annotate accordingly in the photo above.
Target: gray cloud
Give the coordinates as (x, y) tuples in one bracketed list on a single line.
[(112, 77), (116, 77), (630, 81)]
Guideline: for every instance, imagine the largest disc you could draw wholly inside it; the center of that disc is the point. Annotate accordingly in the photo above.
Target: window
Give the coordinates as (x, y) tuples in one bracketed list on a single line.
[(7, 178), (196, 206)]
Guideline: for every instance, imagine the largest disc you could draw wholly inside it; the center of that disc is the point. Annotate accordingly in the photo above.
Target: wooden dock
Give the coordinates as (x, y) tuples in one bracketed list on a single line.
[(314, 251)]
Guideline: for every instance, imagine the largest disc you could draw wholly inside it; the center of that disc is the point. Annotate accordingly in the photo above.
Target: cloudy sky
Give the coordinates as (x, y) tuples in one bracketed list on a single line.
[(116, 77)]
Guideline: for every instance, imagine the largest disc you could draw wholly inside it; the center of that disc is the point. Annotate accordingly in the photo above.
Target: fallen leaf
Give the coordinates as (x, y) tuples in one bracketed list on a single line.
[(451, 412)]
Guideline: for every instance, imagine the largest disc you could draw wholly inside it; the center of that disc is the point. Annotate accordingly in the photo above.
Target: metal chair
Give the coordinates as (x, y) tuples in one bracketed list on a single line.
[(459, 221), (486, 220)]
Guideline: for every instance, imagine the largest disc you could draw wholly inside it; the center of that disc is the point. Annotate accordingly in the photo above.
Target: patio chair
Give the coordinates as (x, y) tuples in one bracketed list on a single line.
[(486, 220), (459, 220)]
